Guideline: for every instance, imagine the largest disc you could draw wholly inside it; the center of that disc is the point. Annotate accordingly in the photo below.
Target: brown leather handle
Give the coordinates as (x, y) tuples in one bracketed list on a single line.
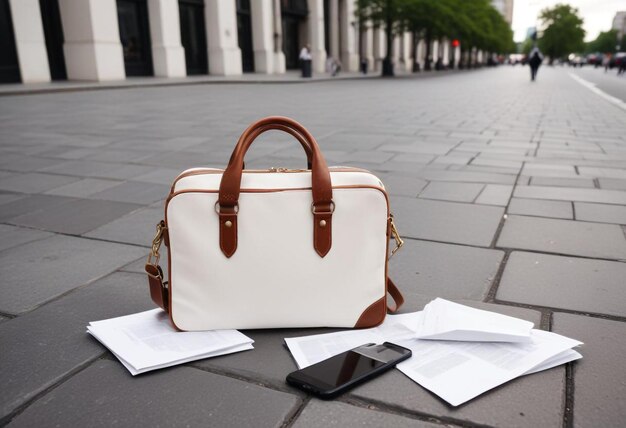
[(230, 186), (303, 142)]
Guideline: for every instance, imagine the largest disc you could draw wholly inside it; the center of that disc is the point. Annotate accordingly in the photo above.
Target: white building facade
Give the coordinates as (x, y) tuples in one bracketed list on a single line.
[(104, 40)]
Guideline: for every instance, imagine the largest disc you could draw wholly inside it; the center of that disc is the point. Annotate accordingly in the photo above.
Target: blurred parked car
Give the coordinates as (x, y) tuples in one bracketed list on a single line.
[(595, 59), (617, 59), (576, 60)]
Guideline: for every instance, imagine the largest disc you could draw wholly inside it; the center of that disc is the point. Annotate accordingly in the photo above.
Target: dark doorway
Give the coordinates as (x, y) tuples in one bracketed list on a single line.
[(135, 37), (294, 13), (53, 31), (244, 33), (9, 67), (193, 35)]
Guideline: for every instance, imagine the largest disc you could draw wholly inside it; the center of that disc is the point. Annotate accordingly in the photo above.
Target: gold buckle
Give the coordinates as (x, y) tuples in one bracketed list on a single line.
[(331, 208), (156, 244), (396, 236)]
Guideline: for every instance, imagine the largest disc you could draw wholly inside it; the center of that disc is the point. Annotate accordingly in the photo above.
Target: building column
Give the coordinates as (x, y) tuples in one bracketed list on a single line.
[(316, 34), (168, 54), (333, 24), (279, 55), (421, 52), (222, 44), (262, 35), (379, 48), (349, 56), (445, 52), (457, 56), (407, 52), (30, 42), (369, 45), (92, 45), (434, 51)]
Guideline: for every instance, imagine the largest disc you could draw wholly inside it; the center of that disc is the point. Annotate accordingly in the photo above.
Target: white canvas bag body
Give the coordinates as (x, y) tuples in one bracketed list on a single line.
[(275, 248)]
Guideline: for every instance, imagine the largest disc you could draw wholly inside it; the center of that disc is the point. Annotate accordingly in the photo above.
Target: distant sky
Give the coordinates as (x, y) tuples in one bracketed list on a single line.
[(597, 14)]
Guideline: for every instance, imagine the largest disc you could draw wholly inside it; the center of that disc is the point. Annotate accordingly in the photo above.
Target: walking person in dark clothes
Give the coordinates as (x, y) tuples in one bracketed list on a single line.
[(534, 60)]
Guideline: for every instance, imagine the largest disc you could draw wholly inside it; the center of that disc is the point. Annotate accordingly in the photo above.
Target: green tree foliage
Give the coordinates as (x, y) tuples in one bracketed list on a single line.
[(563, 33), (475, 23), (606, 42)]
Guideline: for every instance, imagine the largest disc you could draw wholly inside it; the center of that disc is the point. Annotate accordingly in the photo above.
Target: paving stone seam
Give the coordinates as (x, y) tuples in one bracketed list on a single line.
[(541, 309), (73, 235), (568, 405), (43, 392), (293, 417), (27, 242), (552, 253), (68, 292), (404, 412), (493, 289)]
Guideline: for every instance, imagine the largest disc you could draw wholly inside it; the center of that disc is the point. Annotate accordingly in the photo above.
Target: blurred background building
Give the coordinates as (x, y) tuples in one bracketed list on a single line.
[(619, 24), (100, 40)]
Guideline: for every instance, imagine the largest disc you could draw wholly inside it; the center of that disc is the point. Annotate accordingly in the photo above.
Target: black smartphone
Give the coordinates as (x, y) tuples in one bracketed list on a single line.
[(329, 378)]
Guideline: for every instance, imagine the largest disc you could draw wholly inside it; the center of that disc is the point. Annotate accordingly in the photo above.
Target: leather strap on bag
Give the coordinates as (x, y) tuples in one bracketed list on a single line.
[(322, 206)]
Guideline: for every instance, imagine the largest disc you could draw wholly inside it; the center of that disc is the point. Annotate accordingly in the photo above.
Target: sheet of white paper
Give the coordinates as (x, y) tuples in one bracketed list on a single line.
[(146, 341), (562, 358), (445, 320), (308, 350), (460, 371)]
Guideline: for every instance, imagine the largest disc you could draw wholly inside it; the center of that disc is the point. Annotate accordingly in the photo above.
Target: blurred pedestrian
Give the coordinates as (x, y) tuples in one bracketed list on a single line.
[(333, 66), (534, 60), (306, 61), (606, 61)]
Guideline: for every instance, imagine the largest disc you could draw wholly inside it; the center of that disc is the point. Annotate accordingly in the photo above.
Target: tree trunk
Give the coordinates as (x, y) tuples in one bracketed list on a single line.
[(388, 62), (416, 64)]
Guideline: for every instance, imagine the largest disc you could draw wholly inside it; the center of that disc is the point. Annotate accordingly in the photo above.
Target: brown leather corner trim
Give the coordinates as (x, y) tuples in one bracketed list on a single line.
[(374, 314), (155, 282)]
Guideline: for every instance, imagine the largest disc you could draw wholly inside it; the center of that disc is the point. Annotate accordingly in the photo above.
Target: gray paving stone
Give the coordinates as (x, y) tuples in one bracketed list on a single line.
[(564, 282), (529, 401), (31, 204), (42, 347), (33, 182), (84, 187), (402, 186), (470, 177), (334, 414), (11, 236), (444, 270), (562, 182), (6, 197), (612, 183), (541, 208), (450, 191), (601, 213), (136, 228), (164, 176), (549, 170), (495, 194), (75, 217), (36, 272), (599, 387), (446, 221), (105, 394), (602, 172), (270, 362), (570, 194), (27, 164), (85, 168), (564, 237), (134, 192)]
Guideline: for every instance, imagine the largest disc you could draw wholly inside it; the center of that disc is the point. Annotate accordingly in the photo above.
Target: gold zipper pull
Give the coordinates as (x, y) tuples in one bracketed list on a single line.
[(396, 236)]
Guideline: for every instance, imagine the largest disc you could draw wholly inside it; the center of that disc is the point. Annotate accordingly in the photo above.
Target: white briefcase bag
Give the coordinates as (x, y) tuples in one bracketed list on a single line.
[(275, 248)]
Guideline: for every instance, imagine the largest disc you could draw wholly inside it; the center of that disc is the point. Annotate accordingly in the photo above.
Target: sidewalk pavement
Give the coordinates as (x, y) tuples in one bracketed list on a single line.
[(511, 197)]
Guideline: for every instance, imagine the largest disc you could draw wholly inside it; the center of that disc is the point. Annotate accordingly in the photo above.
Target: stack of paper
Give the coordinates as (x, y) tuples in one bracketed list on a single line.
[(445, 320), (455, 370), (147, 341)]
